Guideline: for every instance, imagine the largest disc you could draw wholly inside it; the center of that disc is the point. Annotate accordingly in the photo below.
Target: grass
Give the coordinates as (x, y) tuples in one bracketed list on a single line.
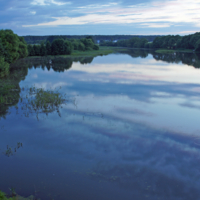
[(40, 101), (27, 100), (165, 51), (46, 101), (102, 51), (185, 50), (31, 100), (14, 196), (9, 150)]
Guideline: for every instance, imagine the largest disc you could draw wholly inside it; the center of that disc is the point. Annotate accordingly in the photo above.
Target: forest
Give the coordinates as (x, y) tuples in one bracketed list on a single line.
[(14, 47), (96, 38), (60, 46), (134, 42), (190, 42)]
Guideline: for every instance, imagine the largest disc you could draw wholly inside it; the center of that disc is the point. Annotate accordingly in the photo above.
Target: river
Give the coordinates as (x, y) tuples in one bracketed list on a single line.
[(129, 129)]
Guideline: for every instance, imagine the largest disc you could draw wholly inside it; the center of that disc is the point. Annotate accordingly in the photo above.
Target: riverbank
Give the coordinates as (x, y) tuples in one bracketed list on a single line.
[(164, 51), (102, 51), (167, 51)]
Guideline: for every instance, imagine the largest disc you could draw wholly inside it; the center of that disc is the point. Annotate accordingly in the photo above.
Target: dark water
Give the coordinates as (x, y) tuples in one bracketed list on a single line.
[(130, 130)]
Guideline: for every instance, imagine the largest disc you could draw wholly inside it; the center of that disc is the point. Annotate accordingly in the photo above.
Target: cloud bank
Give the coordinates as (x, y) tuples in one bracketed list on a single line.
[(174, 16)]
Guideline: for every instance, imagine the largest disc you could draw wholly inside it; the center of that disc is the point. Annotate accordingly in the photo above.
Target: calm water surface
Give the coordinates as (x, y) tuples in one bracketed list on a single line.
[(130, 130)]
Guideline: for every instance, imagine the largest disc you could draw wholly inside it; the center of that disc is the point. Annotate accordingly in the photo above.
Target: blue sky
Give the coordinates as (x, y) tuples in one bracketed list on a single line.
[(105, 17)]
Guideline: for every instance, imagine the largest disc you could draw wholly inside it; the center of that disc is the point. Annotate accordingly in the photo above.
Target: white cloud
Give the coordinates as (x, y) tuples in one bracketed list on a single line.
[(33, 12), (48, 2), (154, 15), (156, 25), (188, 32), (59, 3), (39, 2)]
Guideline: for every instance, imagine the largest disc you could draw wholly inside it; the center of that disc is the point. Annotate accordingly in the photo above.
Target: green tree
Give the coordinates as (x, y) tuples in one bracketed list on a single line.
[(2, 49), (22, 50), (14, 47), (48, 48), (61, 47), (68, 47), (88, 43), (194, 39), (75, 44), (43, 51), (31, 51), (36, 49), (96, 47), (157, 43), (81, 46), (172, 43), (57, 47), (197, 45), (91, 38)]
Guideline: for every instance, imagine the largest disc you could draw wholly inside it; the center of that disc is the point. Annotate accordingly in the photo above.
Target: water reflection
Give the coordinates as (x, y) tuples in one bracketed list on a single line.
[(58, 64), (132, 131), (13, 95), (191, 59)]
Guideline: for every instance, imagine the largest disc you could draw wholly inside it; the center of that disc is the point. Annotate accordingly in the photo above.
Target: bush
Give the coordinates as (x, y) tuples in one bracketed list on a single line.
[(88, 49), (81, 46), (96, 47)]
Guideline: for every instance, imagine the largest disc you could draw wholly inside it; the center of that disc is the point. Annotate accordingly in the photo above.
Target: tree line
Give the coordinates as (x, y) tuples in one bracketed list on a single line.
[(166, 42), (191, 41), (39, 39), (60, 46), (134, 42), (12, 47)]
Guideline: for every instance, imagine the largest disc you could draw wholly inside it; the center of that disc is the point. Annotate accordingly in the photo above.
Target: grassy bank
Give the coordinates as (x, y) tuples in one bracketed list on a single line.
[(165, 51), (102, 51)]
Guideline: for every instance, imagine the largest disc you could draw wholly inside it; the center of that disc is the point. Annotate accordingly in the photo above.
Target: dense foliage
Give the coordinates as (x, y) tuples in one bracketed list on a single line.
[(60, 46), (177, 42), (12, 47), (38, 39), (134, 42), (165, 42)]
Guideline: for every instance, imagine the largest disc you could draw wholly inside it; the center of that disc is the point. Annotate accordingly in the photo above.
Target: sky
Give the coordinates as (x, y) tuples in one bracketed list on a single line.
[(105, 17)]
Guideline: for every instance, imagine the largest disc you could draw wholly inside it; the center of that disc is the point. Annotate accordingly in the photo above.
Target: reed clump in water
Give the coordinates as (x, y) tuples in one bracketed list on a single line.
[(46, 101)]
